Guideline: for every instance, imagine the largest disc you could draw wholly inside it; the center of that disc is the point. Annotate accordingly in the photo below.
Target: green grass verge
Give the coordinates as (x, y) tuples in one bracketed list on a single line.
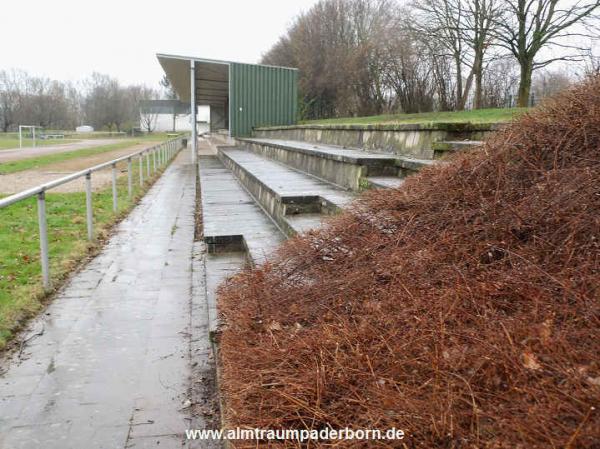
[(47, 159), (473, 116), (21, 293)]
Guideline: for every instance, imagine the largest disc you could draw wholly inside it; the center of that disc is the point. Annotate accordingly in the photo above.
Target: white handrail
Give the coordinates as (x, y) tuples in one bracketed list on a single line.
[(161, 155), (65, 179)]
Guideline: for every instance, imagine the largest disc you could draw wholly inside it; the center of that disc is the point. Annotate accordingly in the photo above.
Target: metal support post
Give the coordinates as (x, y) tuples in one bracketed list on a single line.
[(148, 164), (41, 203), (88, 206), (193, 110), (141, 160), (129, 179), (114, 188)]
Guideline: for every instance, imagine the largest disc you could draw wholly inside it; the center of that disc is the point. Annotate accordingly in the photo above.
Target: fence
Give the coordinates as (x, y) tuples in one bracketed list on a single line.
[(153, 158)]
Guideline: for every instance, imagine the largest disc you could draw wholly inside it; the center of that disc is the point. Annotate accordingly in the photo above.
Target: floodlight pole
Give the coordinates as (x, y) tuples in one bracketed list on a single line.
[(193, 110)]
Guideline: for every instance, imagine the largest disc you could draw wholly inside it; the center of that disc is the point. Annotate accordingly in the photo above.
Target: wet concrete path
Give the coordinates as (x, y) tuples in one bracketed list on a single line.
[(111, 365)]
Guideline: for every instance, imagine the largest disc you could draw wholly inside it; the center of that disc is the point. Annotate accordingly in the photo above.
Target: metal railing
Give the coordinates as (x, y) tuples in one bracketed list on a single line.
[(159, 154)]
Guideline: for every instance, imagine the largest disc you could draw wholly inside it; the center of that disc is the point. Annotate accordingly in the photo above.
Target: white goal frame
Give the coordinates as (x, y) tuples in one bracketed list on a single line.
[(32, 127)]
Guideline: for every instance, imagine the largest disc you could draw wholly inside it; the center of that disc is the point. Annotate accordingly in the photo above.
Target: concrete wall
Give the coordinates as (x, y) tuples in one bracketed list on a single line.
[(412, 140), (346, 174)]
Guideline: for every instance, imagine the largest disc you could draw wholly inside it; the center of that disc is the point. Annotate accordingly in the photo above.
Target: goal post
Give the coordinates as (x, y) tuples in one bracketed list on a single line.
[(32, 132)]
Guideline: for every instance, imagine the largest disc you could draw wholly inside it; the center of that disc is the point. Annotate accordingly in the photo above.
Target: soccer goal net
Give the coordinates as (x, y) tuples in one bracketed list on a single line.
[(29, 135)]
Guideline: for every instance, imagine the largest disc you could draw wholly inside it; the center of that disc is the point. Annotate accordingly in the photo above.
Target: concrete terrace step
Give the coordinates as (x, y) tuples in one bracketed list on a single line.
[(305, 222), (232, 221), (344, 154), (442, 148), (342, 166), (385, 182), (283, 191)]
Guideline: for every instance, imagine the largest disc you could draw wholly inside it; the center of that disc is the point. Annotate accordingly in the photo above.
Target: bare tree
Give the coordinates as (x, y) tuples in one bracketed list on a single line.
[(167, 89), (110, 105), (148, 120), (546, 83), (169, 93), (462, 30), (338, 45), (479, 35), (408, 70), (440, 22), (528, 26), (500, 81), (10, 98)]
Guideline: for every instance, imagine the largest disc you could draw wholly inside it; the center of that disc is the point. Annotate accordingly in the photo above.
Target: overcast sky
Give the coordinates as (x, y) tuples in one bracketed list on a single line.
[(68, 40)]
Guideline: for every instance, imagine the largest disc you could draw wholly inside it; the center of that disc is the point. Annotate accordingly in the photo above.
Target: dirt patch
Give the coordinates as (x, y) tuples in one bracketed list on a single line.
[(17, 182), (463, 307)]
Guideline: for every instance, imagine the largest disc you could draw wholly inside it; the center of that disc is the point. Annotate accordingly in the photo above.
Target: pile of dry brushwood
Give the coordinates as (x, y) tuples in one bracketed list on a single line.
[(463, 308)]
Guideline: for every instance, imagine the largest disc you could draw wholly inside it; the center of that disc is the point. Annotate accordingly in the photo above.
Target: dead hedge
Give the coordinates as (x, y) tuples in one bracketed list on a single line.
[(463, 308)]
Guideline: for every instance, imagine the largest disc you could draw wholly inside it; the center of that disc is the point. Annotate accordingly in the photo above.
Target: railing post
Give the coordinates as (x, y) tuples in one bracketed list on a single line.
[(153, 159), (88, 206), (129, 179), (141, 160), (41, 203), (148, 164), (114, 187)]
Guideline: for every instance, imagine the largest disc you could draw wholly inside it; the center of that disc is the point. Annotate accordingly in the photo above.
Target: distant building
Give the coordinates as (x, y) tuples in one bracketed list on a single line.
[(166, 116), (241, 96)]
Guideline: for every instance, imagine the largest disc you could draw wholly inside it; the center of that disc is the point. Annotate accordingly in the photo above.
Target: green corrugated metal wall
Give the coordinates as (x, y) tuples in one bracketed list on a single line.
[(266, 95)]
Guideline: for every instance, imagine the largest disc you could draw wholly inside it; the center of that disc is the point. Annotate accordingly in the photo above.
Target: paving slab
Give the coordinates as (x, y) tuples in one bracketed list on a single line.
[(351, 155), (385, 182), (228, 210), (345, 154), (286, 181), (110, 360)]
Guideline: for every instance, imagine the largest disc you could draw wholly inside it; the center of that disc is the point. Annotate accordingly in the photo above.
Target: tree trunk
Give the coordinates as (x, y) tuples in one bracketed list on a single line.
[(477, 101), (525, 84), (459, 106), (478, 69)]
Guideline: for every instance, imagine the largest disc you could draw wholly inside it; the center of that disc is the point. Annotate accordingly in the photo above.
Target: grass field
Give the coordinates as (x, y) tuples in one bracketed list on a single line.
[(41, 161), (10, 142), (21, 294), (473, 116)]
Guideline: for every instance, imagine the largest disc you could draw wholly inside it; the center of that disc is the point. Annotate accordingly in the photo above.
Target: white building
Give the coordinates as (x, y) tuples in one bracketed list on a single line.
[(171, 116)]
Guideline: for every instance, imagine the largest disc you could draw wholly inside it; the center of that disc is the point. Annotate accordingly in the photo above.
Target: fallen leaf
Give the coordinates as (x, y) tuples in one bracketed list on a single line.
[(530, 361), (274, 326), (595, 381), (546, 331)]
